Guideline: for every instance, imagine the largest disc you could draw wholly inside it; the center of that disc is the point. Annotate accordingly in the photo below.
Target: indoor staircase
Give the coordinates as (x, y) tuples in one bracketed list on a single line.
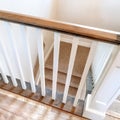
[(62, 78), (64, 56)]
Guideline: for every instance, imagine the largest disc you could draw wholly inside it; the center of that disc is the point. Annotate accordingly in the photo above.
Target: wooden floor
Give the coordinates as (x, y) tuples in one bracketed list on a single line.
[(20, 108), (47, 100), (15, 107)]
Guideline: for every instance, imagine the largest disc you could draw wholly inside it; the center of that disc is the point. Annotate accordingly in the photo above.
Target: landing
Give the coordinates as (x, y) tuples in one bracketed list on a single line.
[(15, 107), (19, 108)]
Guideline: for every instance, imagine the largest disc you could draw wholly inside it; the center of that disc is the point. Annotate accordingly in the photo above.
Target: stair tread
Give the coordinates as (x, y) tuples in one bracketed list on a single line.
[(60, 88), (65, 49), (62, 78)]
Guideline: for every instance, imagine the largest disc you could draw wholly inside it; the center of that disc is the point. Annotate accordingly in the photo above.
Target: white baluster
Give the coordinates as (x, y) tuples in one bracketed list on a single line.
[(5, 54), (4, 50), (55, 63), (70, 69), (5, 79), (12, 40), (82, 84), (41, 62), (25, 38)]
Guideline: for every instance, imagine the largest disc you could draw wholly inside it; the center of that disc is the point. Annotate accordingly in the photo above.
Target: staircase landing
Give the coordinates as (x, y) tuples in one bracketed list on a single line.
[(36, 97), (14, 107)]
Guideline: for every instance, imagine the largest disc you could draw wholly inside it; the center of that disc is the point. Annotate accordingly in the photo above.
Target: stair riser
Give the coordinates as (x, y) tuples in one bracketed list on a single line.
[(60, 88), (62, 78)]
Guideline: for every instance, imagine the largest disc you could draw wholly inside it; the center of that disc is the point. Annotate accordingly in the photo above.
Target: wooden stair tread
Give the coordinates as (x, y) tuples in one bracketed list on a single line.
[(65, 49), (60, 88), (62, 78), (63, 58)]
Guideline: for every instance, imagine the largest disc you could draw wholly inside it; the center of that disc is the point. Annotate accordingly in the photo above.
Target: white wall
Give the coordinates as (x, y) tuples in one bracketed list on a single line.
[(38, 8), (95, 13)]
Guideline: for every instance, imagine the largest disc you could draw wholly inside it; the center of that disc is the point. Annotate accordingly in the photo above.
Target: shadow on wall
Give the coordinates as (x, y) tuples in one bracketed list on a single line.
[(96, 13)]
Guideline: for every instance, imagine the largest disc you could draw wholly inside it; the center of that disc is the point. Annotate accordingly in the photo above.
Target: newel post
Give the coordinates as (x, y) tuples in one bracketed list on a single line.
[(105, 93)]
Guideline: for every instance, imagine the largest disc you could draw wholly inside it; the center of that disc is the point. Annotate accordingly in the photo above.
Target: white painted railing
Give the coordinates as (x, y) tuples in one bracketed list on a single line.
[(74, 41), (55, 63), (70, 69), (10, 32), (4, 50), (103, 51), (41, 62), (25, 38)]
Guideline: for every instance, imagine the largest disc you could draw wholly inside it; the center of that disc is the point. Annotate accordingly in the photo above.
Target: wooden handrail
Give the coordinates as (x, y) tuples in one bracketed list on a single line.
[(91, 33)]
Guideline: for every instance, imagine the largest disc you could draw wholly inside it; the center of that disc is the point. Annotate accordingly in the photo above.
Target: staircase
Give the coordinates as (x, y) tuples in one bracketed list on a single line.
[(62, 78), (80, 61)]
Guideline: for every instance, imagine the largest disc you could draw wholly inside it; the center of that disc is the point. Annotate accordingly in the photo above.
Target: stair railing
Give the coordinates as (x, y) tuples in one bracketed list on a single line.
[(59, 28)]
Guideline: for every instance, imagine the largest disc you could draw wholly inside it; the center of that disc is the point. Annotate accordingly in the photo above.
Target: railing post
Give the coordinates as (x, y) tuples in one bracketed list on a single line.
[(104, 93)]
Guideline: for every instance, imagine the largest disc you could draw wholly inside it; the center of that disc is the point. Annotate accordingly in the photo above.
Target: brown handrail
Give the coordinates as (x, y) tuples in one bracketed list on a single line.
[(74, 29)]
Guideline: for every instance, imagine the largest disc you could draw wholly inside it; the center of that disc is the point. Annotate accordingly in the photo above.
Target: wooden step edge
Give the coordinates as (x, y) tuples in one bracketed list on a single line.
[(8, 87), (62, 92), (60, 82), (73, 109), (2, 84), (75, 75)]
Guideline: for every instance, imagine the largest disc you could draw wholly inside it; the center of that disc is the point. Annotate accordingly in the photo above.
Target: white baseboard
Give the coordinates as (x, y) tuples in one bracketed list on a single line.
[(92, 113)]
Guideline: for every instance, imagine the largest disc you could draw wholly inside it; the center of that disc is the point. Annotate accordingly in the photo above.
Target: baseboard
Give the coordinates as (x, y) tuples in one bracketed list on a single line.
[(91, 113)]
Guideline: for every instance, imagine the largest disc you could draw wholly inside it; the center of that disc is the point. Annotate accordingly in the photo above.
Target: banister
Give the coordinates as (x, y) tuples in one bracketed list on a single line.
[(74, 29)]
